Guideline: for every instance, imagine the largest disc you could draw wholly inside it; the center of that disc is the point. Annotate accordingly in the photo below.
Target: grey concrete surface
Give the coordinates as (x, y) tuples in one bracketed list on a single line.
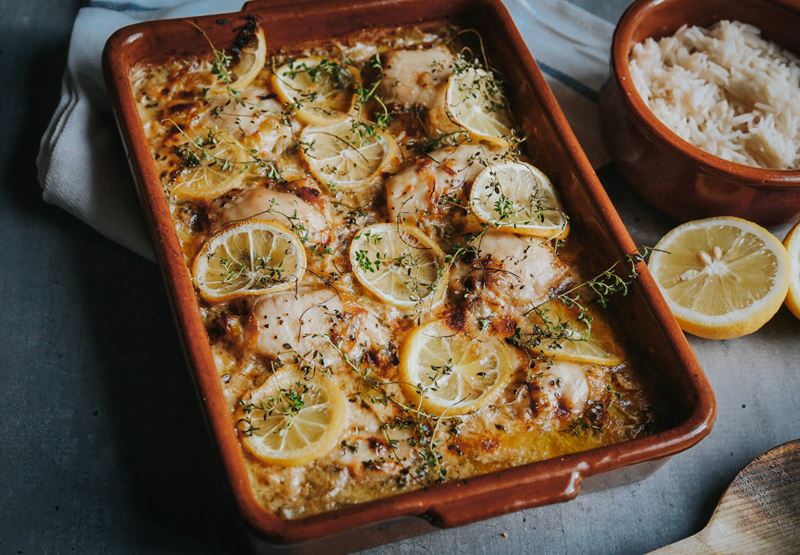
[(102, 444)]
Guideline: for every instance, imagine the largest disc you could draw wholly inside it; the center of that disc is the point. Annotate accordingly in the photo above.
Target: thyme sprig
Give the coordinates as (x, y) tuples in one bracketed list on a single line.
[(200, 150), (287, 402), (329, 71), (365, 129), (424, 426), (599, 290), (605, 285), (221, 61)]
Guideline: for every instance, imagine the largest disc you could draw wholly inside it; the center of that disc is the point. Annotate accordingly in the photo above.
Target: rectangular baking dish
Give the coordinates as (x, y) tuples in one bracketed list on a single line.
[(687, 402)]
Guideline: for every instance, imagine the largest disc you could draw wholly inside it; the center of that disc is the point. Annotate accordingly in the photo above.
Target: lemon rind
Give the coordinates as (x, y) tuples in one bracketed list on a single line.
[(792, 244)]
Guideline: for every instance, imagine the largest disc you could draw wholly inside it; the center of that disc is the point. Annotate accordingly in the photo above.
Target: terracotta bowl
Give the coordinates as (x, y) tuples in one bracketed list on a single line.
[(669, 173)]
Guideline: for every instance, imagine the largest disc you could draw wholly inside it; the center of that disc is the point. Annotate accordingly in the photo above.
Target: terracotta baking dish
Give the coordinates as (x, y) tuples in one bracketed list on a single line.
[(687, 406), (669, 173)]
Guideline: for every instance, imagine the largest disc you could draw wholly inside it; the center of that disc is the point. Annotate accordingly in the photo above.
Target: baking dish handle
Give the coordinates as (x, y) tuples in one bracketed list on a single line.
[(546, 489)]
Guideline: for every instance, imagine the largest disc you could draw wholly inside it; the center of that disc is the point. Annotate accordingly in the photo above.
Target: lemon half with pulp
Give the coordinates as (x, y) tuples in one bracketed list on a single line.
[(722, 277)]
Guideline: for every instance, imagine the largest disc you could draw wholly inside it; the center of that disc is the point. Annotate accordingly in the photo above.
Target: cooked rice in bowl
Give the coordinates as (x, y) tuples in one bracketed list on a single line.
[(726, 90)]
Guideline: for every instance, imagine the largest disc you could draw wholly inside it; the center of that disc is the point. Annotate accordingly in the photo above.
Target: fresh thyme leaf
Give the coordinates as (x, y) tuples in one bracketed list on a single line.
[(221, 66), (504, 207), (366, 263), (551, 334)]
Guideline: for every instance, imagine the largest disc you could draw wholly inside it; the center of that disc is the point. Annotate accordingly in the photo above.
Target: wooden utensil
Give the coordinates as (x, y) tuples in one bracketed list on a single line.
[(758, 513)]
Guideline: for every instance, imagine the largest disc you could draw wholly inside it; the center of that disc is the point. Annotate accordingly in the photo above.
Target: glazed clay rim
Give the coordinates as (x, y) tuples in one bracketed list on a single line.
[(621, 46)]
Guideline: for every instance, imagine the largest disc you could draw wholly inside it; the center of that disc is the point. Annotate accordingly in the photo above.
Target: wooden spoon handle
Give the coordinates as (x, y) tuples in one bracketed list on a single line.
[(689, 546)]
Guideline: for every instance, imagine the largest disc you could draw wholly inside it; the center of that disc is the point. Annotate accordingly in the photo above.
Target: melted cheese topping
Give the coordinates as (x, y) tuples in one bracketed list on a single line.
[(330, 323)]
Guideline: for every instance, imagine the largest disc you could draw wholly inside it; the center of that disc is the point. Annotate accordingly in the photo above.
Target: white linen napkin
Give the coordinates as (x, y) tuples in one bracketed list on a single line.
[(81, 165)]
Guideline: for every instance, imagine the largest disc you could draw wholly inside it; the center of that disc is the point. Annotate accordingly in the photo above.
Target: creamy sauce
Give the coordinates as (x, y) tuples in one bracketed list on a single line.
[(548, 408)]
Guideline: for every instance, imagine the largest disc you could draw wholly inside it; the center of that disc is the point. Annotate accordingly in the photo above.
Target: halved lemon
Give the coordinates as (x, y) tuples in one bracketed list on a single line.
[(447, 372), (321, 90), (518, 198), (253, 257), (399, 264), (792, 244), (566, 338), (252, 57), (473, 100), (722, 277), (345, 156), (292, 419), (213, 162)]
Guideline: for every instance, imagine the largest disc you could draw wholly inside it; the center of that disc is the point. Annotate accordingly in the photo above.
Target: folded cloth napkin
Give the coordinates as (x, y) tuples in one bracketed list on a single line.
[(81, 164)]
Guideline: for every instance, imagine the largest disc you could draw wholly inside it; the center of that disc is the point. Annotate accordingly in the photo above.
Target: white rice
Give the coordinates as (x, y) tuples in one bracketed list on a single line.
[(725, 90)]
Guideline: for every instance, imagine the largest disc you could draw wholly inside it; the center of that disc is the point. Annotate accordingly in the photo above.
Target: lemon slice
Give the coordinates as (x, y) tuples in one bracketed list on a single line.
[(346, 156), (445, 372), (722, 277), (292, 419), (792, 244), (584, 350), (252, 58), (518, 198), (253, 257), (572, 342), (473, 100), (399, 264), (322, 91), (212, 162)]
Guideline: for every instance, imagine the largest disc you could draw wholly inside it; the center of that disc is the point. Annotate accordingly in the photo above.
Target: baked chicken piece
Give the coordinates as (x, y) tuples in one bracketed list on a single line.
[(432, 192), (412, 77), (309, 322)]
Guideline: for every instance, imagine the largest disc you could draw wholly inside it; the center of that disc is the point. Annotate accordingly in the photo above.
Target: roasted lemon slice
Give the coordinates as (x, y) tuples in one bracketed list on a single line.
[(445, 372), (252, 58), (792, 244), (399, 264), (347, 155), (564, 337), (292, 419), (722, 277), (253, 257), (579, 348), (472, 100), (518, 198), (321, 91), (212, 163)]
